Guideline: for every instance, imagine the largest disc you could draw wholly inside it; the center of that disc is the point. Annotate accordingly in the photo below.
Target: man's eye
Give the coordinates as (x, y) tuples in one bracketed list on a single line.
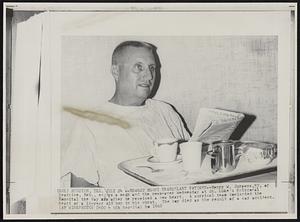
[(138, 68), (152, 68)]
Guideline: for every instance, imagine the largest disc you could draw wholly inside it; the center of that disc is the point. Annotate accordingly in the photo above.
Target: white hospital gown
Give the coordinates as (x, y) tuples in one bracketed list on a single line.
[(97, 148)]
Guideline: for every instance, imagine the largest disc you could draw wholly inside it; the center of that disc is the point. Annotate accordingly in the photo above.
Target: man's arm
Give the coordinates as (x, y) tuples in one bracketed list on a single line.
[(175, 121), (78, 165)]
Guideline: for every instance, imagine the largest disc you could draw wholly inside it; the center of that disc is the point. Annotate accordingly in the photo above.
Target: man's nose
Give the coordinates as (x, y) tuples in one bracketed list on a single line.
[(148, 75)]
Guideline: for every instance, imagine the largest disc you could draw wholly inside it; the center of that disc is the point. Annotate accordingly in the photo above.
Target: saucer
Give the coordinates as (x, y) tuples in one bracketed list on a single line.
[(154, 160)]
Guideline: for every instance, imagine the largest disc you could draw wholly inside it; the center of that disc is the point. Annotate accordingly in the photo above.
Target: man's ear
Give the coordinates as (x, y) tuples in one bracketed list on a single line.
[(115, 72)]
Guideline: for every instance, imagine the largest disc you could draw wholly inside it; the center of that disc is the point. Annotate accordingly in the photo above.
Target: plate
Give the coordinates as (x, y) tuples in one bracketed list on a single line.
[(154, 160)]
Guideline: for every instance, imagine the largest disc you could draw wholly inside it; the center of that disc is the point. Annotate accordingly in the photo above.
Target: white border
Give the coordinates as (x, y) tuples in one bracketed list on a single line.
[(146, 6)]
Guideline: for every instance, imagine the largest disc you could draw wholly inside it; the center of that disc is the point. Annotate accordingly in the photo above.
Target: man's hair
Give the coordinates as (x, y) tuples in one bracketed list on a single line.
[(124, 45)]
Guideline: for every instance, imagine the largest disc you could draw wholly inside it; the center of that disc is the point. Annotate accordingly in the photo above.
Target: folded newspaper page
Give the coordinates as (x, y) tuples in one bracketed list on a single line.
[(215, 124)]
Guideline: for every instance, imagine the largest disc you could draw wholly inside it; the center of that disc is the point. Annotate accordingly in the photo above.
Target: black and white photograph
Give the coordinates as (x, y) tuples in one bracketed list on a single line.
[(150, 110), (203, 77)]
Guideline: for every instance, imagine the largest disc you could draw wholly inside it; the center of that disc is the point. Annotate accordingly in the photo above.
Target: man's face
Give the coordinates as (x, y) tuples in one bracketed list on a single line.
[(136, 73)]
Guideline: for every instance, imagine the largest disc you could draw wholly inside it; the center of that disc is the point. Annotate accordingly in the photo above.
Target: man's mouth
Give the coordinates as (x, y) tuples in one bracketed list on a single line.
[(146, 85)]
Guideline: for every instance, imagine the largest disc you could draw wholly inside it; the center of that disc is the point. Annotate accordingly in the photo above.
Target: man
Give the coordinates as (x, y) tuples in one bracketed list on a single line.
[(134, 71), (126, 126)]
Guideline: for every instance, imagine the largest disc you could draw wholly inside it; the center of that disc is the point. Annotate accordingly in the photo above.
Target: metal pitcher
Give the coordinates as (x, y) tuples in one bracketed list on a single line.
[(224, 156)]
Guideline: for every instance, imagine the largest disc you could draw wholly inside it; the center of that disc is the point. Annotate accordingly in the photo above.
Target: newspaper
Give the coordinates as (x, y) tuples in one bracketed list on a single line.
[(215, 124), (237, 57)]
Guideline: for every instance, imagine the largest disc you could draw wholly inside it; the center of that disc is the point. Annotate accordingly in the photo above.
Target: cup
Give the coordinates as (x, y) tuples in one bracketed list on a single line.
[(165, 149), (191, 155)]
